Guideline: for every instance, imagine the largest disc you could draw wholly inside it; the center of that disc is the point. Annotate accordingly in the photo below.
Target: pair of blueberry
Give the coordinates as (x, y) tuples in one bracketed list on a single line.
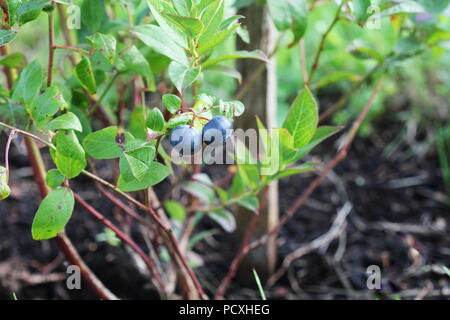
[(188, 140)]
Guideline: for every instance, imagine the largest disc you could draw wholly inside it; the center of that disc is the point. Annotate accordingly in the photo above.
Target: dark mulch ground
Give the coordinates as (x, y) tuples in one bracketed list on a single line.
[(399, 221)]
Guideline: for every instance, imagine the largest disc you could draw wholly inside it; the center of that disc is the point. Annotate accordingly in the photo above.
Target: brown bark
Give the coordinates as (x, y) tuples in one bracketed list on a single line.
[(261, 101)]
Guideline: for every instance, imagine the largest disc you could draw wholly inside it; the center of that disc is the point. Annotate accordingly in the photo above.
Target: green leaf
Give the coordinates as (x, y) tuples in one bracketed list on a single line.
[(7, 36), (203, 4), (322, 133), (211, 19), (434, 6), (182, 7), (155, 174), (336, 77), (171, 102), (105, 143), (85, 124), (250, 203), (93, 14), (227, 71), (302, 118), (408, 47), (14, 60), (363, 52), (228, 22), (406, 6), (54, 178), (203, 178), (53, 214), (182, 76), (105, 44), (70, 158), (10, 11), (155, 37), (172, 34), (29, 83), (289, 14), (256, 54), (304, 167), (67, 121), (29, 10), (175, 210), (5, 191), (225, 219), (360, 9), (218, 39), (134, 164), (46, 104), (178, 120), (193, 27), (155, 120), (133, 61), (14, 114), (203, 192), (83, 72)]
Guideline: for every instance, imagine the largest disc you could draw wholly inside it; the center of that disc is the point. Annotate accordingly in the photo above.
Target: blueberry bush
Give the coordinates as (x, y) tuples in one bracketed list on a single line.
[(123, 86)]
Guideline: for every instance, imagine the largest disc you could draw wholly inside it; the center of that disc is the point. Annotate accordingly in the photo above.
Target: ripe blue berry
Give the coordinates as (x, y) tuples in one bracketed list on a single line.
[(185, 139), (218, 129)]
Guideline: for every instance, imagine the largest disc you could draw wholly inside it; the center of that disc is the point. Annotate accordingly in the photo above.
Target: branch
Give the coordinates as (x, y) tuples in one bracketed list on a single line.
[(63, 242), (51, 48), (237, 259), (316, 62), (163, 226), (322, 241), (156, 277), (341, 103)]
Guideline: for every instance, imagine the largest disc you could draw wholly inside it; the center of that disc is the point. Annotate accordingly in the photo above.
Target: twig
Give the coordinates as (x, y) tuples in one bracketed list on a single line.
[(237, 259), (303, 66), (63, 242), (156, 277), (25, 133), (164, 227), (341, 103), (68, 34), (320, 242), (71, 49), (316, 62), (255, 75), (51, 48)]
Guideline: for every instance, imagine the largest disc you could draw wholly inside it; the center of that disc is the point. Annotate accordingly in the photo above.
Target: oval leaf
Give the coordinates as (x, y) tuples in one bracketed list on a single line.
[(53, 214)]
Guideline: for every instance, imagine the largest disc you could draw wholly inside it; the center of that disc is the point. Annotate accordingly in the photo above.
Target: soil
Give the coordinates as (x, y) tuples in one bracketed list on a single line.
[(399, 221)]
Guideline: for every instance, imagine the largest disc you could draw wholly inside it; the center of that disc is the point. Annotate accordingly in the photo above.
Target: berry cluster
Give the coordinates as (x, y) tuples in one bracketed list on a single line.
[(187, 139)]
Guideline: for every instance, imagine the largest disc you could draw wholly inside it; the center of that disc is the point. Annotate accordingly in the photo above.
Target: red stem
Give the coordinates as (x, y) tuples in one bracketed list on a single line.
[(237, 259), (51, 48), (63, 242), (126, 239)]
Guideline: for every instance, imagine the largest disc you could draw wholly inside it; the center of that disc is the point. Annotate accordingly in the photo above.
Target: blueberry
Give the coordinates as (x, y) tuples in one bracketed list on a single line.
[(220, 127), (185, 139)]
